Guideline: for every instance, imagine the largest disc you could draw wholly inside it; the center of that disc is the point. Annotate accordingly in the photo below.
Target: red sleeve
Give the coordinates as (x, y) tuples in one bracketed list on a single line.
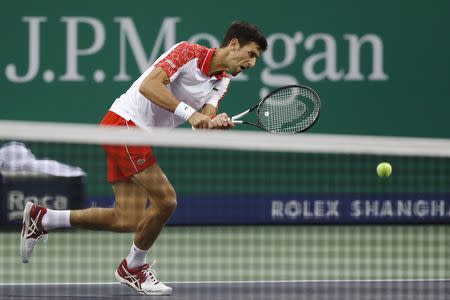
[(177, 58)]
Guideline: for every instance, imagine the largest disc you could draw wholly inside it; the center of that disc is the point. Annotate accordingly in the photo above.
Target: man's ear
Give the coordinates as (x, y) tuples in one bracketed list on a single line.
[(234, 44)]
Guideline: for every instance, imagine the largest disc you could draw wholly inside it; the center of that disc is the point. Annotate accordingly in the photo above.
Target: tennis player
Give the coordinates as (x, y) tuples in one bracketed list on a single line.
[(186, 83)]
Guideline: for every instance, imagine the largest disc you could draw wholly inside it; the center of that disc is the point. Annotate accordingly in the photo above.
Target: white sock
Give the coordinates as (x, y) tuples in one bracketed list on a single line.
[(136, 257), (56, 219)]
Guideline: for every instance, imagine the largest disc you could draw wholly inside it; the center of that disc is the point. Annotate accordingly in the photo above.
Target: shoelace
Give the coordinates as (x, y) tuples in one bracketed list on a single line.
[(150, 273), (33, 229)]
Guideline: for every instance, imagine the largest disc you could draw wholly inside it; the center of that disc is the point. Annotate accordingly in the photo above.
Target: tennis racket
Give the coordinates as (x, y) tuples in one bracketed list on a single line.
[(289, 109)]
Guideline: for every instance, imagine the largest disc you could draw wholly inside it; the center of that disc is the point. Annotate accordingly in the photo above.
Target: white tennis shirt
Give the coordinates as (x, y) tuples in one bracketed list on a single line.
[(187, 66)]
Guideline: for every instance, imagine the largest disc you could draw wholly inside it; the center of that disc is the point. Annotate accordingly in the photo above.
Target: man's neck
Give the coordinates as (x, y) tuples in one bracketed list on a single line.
[(217, 65)]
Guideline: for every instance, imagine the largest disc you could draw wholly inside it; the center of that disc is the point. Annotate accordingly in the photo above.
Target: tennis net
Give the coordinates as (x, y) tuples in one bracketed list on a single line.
[(259, 216)]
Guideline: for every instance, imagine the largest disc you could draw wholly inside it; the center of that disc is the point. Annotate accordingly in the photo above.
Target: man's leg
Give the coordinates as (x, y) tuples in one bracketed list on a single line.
[(133, 271), (129, 213), (163, 203), (129, 208)]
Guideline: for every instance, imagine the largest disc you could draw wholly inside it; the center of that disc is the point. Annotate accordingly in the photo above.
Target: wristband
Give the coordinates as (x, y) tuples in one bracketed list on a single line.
[(184, 111)]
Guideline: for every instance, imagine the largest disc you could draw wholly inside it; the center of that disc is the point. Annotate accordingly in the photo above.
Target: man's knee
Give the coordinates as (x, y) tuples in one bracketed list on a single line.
[(168, 203), (125, 222)]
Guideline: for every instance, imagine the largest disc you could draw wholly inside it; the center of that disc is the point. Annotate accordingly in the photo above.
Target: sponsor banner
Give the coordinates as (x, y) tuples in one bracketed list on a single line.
[(360, 57), (310, 209), (50, 191)]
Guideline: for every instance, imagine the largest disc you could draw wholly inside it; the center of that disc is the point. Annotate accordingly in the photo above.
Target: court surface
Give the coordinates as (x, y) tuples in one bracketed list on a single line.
[(241, 262), (426, 290)]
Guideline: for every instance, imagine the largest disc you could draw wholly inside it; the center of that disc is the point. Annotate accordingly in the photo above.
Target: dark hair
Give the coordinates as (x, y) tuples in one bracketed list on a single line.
[(245, 33)]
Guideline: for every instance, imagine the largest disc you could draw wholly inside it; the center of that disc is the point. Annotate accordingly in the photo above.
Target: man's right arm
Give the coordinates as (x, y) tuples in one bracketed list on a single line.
[(153, 87)]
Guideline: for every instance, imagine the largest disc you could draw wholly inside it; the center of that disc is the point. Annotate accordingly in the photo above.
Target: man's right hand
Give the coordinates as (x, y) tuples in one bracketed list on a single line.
[(199, 120)]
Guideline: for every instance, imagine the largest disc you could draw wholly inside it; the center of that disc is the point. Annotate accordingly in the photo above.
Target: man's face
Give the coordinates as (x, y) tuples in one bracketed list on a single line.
[(244, 57)]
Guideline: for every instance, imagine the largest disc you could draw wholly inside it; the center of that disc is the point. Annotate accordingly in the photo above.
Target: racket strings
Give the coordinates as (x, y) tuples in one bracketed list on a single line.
[(289, 110), (281, 112)]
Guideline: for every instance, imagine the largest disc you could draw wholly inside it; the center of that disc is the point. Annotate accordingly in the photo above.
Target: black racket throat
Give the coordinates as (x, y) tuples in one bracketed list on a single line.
[(252, 124)]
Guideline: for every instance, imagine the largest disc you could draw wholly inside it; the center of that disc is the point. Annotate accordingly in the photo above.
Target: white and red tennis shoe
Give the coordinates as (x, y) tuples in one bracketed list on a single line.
[(32, 230), (142, 279)]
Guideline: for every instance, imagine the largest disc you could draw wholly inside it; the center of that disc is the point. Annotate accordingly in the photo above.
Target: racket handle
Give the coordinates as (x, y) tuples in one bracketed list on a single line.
[(235, 121)]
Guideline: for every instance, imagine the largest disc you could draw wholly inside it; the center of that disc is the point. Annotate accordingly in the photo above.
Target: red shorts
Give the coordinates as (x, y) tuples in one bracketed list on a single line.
[(125, 160)]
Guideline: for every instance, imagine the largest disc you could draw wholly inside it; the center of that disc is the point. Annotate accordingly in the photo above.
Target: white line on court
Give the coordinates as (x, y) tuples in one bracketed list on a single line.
[(246, 282)]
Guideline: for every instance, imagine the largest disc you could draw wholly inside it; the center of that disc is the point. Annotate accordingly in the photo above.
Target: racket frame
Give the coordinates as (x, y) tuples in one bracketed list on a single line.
[(235, 119)]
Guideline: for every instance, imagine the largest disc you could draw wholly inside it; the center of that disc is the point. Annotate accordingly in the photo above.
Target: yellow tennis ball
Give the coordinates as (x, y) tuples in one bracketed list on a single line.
[(384, 169)]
